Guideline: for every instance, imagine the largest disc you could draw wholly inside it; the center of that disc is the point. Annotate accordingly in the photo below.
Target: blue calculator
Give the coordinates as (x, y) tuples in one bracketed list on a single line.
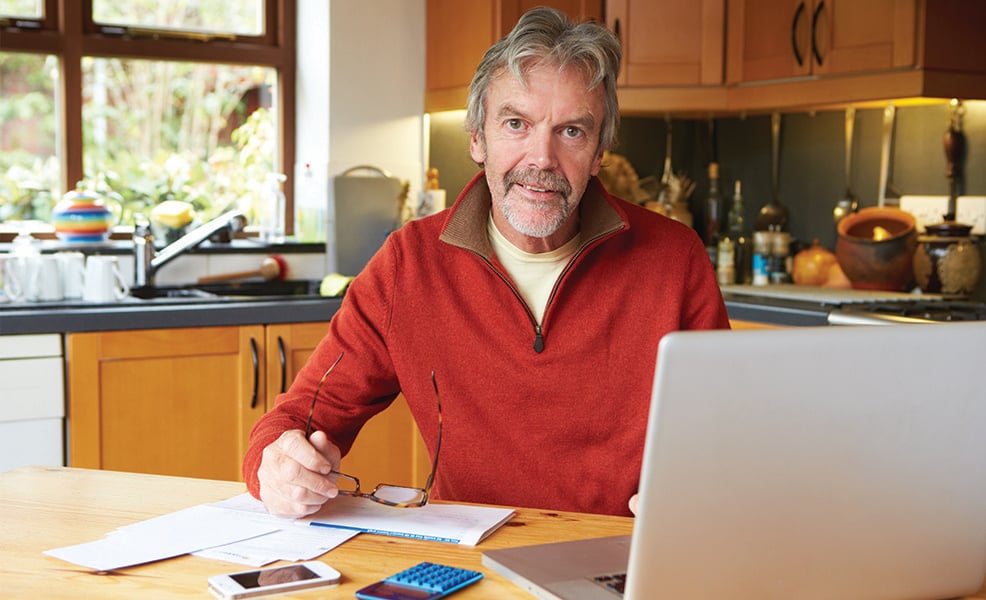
[(424, 581)]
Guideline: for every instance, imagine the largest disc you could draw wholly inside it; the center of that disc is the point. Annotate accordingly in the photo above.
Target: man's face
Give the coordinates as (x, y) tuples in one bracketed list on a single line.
[(539, 149)]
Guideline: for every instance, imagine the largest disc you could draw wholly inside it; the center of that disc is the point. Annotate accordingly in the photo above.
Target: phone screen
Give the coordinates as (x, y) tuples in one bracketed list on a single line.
[(254, 579)]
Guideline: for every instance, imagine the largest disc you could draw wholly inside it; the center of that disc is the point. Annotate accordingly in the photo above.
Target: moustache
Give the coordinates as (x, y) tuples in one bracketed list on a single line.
[(536, 178)]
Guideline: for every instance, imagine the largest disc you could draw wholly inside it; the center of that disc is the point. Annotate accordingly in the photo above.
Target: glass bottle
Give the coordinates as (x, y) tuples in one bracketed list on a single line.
[(272, 210), (713, 213), (737, 232)]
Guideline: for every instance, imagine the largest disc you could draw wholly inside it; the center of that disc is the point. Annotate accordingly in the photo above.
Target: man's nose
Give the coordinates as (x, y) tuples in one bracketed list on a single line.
[(543, 151)]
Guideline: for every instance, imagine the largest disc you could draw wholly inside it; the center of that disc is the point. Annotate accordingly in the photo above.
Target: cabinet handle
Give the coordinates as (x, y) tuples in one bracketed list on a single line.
[(814, 28), (794, 34), (256, 372), (284, 363)]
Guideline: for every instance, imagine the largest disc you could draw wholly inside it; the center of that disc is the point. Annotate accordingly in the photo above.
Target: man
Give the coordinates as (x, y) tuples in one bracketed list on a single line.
[(537, 301)]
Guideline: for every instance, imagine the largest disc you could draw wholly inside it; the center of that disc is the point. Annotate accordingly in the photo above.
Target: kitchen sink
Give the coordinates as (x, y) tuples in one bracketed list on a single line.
[(296, 288)]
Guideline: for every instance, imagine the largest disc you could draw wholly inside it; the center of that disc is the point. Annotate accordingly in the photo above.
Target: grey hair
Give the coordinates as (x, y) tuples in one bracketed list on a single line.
[(547, 35)]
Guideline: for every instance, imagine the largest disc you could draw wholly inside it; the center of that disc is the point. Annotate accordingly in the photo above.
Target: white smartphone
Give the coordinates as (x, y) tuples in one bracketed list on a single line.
[(273, 580)]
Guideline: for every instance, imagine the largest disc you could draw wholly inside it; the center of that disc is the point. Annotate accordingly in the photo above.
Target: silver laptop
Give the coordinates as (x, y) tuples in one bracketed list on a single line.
[(829, 463)]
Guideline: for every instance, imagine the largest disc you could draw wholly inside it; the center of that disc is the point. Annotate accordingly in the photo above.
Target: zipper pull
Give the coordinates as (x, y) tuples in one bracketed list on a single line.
[(538, 340)]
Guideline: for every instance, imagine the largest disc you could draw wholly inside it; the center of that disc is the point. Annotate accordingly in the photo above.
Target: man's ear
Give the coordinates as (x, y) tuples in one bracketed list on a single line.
[(597, 164), (477, 149)]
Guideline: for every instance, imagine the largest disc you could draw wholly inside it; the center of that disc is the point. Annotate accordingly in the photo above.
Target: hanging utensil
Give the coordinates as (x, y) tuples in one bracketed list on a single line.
[(955, 151), (774, 214), (889, 115), (848, 204)]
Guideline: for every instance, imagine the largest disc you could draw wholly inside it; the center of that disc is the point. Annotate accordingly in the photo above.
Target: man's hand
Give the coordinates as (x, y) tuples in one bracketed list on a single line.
[(633, 504), (294, 473)]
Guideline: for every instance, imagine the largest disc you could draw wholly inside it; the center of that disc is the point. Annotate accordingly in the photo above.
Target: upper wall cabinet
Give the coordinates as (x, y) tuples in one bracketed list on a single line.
[(792, 53), (779, 39), (458, 33), (673, 53), (669, 42)]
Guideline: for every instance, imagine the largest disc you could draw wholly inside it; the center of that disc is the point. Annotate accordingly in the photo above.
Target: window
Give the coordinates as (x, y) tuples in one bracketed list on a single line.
[(144, 101)]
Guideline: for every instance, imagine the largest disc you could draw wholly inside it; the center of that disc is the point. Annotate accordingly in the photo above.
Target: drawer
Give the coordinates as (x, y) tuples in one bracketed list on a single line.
[(30, 346), (31, 443), (31, 388)]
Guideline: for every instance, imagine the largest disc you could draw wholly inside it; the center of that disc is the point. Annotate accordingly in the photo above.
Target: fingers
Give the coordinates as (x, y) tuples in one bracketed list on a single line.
[(294, 475), (633, 504)]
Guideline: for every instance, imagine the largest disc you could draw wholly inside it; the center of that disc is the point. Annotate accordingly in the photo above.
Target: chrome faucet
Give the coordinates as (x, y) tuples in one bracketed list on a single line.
[(147, 261)]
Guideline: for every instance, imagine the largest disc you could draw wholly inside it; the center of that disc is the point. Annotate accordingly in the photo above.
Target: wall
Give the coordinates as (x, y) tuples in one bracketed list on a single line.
[(361, 90), (812, 173)]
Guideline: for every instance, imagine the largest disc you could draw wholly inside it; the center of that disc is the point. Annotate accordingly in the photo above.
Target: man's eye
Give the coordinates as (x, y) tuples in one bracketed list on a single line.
[(515, 124), (572, 132)]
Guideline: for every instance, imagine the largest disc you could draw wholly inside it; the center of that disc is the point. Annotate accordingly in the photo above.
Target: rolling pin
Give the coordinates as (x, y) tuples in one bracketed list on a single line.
[(272, 268)]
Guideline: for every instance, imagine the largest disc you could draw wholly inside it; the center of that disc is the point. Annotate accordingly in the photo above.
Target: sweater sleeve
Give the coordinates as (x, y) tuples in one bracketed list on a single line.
[(359, 387)]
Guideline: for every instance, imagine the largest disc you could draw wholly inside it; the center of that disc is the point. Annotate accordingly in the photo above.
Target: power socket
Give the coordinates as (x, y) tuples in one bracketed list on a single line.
[(929, 210)]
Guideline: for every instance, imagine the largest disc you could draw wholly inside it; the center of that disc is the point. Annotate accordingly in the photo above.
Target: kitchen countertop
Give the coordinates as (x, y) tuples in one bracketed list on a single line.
[(131, 313)]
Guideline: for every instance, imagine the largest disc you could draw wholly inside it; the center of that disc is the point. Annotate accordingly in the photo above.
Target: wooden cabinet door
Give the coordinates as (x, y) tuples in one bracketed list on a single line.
[(780, 39), (165, 401), (288, 347), (669, 42), (859, 37), (458, 33)]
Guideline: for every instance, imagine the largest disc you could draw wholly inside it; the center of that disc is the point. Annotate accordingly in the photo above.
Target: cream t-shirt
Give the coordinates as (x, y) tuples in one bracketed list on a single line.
[(533, 274)]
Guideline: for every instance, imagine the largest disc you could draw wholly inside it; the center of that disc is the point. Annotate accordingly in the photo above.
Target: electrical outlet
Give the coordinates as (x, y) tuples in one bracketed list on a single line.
[(929, 210), (972, 211)]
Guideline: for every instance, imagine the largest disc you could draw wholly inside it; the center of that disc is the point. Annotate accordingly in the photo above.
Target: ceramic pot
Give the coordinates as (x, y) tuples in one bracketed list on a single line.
[(82, 216), (876, 248), (947, 260)]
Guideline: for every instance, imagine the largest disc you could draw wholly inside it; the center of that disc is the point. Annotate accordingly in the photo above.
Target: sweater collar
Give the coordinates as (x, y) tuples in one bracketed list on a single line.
[(600, 215)]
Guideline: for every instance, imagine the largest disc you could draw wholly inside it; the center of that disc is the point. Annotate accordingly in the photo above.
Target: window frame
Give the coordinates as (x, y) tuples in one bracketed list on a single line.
[(68, 32)]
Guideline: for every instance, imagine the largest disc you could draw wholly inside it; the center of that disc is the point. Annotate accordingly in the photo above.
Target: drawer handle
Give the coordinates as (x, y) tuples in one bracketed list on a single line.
[(284, 363), (794, 34), (256, 372)]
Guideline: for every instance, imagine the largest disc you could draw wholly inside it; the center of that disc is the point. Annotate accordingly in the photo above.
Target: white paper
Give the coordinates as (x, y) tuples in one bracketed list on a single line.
[(170, 535), (295, 542), (454, 523)]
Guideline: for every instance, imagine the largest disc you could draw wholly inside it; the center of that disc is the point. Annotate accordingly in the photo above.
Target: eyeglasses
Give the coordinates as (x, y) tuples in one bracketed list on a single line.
[(398, 496)]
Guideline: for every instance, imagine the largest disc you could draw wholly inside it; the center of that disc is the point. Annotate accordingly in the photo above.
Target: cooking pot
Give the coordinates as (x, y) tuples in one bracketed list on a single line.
[(876, 248)]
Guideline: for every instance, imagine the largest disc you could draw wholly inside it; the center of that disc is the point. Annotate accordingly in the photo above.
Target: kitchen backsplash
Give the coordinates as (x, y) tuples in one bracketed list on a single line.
[(812, 159)]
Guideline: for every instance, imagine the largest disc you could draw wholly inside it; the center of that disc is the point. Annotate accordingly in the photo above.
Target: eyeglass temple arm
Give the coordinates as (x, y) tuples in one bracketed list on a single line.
[(438, 442)]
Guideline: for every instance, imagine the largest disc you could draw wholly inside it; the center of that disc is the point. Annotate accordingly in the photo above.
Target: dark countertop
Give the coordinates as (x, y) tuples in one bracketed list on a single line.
[(65, 317)]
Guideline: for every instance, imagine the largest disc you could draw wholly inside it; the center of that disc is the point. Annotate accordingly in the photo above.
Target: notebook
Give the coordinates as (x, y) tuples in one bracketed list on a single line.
[(822, 462)]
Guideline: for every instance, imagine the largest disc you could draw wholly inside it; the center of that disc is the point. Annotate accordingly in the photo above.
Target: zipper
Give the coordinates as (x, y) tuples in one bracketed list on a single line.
[(538, 330)]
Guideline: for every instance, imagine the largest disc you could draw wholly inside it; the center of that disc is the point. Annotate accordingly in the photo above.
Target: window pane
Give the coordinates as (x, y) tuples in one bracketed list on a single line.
[(163, 130), (31, 9), (240, 17), (29, 168)]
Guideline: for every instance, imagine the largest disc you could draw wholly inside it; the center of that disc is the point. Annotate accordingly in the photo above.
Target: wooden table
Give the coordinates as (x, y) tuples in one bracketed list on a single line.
[(46, 508)]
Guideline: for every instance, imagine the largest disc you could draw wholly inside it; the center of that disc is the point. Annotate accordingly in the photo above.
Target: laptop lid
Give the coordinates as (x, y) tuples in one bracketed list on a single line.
[(836, 462)]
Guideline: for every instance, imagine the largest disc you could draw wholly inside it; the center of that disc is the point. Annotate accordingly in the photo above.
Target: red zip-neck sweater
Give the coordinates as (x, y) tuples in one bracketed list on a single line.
[(550, 416)]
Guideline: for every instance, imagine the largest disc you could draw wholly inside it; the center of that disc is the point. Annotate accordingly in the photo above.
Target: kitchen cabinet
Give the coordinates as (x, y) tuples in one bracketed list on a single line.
[(182, 401), (32, 401), (669, 42), (778, 39), (166, 401), (673, 55), (802, 53), (459, 33)]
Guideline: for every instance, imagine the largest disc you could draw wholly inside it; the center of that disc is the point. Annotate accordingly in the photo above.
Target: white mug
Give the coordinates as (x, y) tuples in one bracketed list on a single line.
[(46, 284), (73, 267), (103, 280), (11, 279), (22, 271)]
